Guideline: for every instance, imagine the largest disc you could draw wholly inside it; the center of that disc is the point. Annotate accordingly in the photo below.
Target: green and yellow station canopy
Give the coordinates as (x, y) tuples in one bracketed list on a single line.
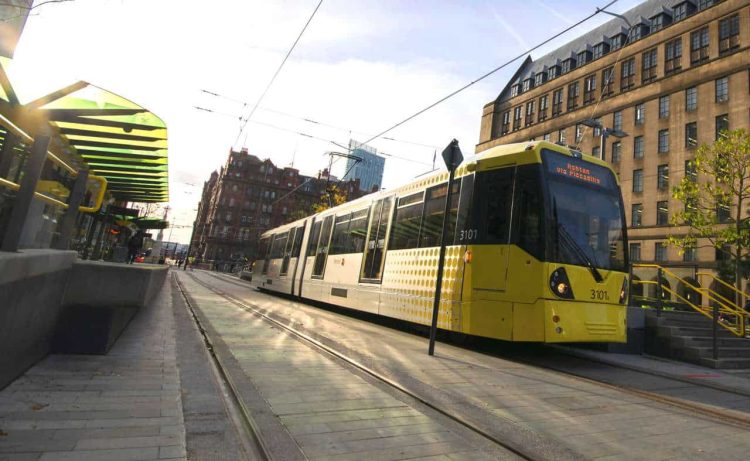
[(117, 138)]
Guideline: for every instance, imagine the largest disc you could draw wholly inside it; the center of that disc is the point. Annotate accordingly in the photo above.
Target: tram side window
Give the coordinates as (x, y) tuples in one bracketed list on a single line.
[(263, 253), (340, 234), (298, 241), (279, 242), (358, 231), (432, 224), (312, 244), (406, 223), (463, 218), (493, 195), (322, 253), (528, 211)]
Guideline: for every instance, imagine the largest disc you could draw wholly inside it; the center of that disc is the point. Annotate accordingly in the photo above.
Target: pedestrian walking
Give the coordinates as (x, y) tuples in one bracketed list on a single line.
[(134, 246)]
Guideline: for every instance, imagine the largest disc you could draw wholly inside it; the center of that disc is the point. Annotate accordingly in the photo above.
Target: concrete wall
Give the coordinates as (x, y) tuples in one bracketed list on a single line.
[(31, 286)]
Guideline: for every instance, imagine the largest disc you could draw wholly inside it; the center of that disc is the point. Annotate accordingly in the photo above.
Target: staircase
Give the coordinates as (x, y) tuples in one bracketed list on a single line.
[(688, 336)]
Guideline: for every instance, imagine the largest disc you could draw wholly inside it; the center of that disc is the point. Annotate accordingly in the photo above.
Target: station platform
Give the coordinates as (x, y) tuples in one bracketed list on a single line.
[(156, 394)]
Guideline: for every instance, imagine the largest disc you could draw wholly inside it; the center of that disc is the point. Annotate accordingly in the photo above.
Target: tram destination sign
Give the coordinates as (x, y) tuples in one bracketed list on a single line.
[(577, 169)]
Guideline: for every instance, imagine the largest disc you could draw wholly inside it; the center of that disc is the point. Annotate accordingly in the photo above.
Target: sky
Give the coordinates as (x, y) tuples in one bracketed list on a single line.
[(360, 67)]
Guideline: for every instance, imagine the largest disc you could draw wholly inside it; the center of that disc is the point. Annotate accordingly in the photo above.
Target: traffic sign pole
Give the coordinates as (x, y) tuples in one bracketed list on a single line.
[(453, 158)]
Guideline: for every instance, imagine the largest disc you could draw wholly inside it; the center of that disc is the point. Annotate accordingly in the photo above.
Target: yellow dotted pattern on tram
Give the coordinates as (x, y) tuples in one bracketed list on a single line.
[(409, 280)]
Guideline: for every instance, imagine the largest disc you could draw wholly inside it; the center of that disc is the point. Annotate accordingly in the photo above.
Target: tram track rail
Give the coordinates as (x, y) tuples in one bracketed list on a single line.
[(729, 417)]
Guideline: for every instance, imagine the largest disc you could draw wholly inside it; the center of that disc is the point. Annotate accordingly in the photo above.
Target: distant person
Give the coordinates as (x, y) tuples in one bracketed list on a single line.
[(134, 246)]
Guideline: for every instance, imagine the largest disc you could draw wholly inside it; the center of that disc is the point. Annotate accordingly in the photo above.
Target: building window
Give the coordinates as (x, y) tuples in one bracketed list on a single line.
[(515, 90), (722, 212), (608, 82), (617, 120), (589, 89), (691, 135), (600, 49), (528, 84), (660, 251), (530, 113), (598, 129), (546, 137), (595, 151), (579, 133), (640, 113), (729, 34), (517, 111), (723, 253), (662, 213), (662, 175), (553, 72), (722, 89), (584, 57), (689, 254), (506, 123), (543, 108), (635, 252), (627, 74), (699, 46), (573, 92), (637, 180), (638, 147), (617, 41), (691, 98), (691, 173), (557, 99), (540, 78), (648, 66), (664, 106), (638, 31), (663, 141), (561, 137), (673, 56), (681, 11), (703, 4), (659, 21), (616, 151), (722, 124), (568, 65), (636, 215)]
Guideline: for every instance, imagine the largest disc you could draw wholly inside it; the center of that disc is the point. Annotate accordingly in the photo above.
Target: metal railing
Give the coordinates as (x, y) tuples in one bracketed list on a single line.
[(724, 313)]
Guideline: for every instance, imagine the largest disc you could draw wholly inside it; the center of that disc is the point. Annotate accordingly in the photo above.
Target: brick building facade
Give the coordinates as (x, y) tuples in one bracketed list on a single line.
[(248, 196), (680, 78)]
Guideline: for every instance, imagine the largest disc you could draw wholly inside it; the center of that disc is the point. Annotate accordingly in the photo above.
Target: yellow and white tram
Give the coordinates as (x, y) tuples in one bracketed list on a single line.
[(536, 249)]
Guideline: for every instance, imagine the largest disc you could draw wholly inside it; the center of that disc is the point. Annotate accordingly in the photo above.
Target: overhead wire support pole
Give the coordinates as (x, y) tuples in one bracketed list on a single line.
[(507, 63)]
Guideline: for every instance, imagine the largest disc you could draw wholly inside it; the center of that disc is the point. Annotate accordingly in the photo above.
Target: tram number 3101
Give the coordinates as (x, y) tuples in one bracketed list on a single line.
[(468, 234), (601, 295)]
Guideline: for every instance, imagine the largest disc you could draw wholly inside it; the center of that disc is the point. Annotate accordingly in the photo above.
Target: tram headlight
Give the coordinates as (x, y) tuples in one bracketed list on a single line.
[(624, 291), (560, 285)]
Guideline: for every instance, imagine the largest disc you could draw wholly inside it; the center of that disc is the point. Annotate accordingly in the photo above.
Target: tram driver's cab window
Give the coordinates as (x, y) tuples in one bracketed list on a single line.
[(528, 208)]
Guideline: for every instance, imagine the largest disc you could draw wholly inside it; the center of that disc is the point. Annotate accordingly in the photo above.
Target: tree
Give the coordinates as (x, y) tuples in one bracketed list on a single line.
[(332, 197), (715, 207)]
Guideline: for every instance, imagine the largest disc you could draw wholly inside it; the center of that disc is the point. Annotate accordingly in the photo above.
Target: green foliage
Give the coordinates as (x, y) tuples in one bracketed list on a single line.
[(715, 199), (332, 197)]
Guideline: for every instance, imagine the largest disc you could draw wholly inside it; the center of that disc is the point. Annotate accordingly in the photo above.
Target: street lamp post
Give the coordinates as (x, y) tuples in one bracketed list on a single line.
[(605, 133)]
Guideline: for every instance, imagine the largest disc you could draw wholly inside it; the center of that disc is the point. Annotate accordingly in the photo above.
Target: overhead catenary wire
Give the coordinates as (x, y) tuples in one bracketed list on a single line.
[(500, 67), (278, 70), (315, 122)]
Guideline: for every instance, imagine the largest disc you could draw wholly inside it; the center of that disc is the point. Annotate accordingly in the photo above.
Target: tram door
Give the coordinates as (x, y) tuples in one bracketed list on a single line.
[(372, 263)]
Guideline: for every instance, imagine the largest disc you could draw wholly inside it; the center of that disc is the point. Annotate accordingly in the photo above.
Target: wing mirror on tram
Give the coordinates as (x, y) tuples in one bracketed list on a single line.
[(624, 291)]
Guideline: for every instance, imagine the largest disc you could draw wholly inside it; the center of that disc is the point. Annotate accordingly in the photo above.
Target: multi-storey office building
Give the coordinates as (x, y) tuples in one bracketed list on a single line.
[(671, 82), (246, 197), (368, 169)]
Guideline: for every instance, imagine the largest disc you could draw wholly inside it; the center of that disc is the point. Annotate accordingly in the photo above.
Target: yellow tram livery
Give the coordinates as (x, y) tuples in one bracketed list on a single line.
[(535, 249)]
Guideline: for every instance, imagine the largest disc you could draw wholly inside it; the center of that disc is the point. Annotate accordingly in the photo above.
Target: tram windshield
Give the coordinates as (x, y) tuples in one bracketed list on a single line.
[(585, 203)]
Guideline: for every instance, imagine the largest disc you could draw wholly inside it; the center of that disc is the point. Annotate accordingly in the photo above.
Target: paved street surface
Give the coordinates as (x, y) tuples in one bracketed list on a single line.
[(155, 395), (598, 422)]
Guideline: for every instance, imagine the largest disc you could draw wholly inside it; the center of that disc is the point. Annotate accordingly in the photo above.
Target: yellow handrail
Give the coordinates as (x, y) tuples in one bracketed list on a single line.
[(725, 306), (47, 199), (728, 285)]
